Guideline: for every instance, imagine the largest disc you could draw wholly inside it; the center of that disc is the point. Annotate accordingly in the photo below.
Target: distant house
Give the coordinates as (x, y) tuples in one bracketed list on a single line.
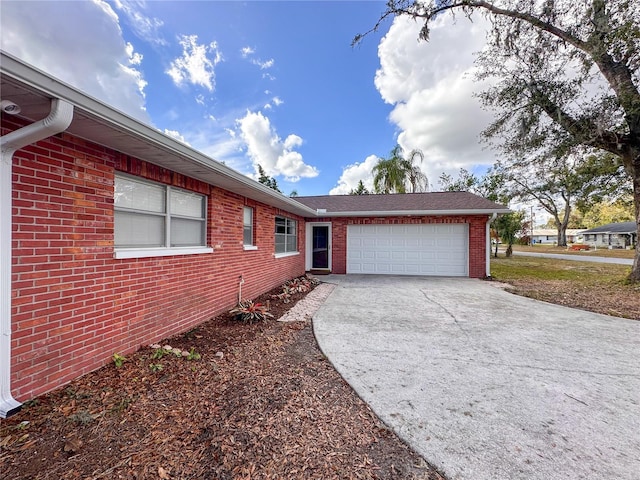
[(114, 235), (549, 236), (612, 235)]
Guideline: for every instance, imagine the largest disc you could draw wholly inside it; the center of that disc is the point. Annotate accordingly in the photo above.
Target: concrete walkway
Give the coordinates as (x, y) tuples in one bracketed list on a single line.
[(485, 384), (577, 258)]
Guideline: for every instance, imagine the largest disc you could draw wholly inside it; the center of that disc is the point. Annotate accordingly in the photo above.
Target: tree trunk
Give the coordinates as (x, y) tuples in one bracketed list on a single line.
[(562, 236), (509, 251), (634, 276), (562, 224)]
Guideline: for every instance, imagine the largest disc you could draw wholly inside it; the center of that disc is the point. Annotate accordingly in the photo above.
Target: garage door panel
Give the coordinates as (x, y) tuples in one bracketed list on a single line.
[(428, 249)]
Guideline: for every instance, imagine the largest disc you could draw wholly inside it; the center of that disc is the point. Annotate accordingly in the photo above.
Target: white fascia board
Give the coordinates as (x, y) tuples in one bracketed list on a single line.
[(40, 81), (413, 213)]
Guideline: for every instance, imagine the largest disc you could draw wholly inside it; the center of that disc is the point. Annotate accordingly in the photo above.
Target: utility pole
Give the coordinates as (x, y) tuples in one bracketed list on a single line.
[(531, 236)]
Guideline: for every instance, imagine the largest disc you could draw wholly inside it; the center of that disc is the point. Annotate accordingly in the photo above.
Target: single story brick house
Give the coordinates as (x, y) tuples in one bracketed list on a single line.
[(114, 235)]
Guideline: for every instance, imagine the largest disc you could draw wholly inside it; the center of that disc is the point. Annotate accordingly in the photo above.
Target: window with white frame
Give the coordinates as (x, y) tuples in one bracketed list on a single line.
[(286, 235), (247, 222), (152, 215)]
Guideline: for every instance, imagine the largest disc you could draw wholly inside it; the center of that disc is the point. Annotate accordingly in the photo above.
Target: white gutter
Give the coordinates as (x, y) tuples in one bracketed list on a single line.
[(488, 249), (57, 121), (407, 213)]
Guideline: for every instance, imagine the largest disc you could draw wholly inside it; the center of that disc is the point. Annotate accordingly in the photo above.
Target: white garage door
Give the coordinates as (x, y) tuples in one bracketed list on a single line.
[(429, 249)]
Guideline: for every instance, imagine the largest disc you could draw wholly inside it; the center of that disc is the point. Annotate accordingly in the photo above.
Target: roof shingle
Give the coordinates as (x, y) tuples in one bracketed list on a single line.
[(620, 227), (427, 203)]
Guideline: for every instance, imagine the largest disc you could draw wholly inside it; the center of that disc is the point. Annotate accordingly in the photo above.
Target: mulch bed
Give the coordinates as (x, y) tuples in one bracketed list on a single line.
[(261, 402)]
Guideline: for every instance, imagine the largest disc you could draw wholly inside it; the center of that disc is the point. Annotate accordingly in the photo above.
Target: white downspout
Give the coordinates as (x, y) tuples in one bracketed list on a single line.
[(488, 244), (57, 121)]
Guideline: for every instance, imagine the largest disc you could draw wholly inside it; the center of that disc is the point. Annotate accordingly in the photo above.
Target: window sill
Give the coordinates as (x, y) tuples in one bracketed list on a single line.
[(159, 252), (249, 247), (286, 254)]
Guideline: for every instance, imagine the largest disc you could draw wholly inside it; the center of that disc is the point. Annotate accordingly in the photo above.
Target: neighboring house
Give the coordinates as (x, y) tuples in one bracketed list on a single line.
[(114, 235), (550, 235), (612, 235)]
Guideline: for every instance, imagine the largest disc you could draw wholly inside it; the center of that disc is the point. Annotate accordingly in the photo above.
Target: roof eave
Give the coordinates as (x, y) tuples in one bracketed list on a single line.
[(412, 213)]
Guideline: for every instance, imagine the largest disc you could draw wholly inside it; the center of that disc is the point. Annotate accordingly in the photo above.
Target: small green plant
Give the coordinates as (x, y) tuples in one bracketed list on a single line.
[(34, 402), (250, 312), (122, 405), (155, 367), (82, 418), (23, 425), (193, 355), (158, 353), (118, 360)]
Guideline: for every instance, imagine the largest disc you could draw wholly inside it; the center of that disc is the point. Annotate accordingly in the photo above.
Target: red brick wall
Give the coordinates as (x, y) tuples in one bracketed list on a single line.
[(477, 237), (74, 305)]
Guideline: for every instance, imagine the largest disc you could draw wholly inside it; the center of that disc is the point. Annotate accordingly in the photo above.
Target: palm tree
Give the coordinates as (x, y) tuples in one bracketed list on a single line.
[(417, 179), (393, 174)]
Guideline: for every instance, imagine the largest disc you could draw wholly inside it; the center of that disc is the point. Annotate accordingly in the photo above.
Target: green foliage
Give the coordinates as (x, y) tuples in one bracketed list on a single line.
[(267, 180), (295, 285), (396, 173), (359, 190), (620, 210), (158, 353), (82, 417), (118, 360), (250, 312), (155, 367), (559, 184), (193, 355), (507, 227), (576, 220)]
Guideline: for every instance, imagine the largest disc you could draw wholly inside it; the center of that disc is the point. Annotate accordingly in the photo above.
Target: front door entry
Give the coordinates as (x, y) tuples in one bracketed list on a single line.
[(320, 247)]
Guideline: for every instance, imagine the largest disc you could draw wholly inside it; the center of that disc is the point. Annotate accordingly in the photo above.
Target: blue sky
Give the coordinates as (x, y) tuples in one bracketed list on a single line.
[(272, 83)]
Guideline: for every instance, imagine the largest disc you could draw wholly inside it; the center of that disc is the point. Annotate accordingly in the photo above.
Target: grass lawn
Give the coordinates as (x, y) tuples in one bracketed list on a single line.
[(600, 252), (590, 286)]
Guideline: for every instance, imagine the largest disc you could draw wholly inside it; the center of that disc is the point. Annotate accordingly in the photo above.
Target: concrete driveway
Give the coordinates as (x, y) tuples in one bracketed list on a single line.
[(485, 384)]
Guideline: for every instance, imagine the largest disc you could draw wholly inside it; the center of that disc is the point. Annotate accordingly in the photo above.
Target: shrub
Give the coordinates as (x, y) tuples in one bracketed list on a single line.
[(250, 312), (118, 360), (296, 285)]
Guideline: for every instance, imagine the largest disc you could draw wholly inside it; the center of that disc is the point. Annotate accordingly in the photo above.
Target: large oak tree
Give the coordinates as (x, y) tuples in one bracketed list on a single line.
[(564, 72)]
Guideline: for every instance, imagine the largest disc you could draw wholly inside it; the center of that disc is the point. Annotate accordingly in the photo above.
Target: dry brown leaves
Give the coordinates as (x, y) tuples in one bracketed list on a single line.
[(270, 407), (606, 299)]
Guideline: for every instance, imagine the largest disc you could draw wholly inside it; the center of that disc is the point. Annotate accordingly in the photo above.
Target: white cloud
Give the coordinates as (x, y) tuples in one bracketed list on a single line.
[(197, 63), (277, 101), (144, 26), (352, 174), (267, 149), (246, 51), (103, 65), (177, 135), (264, 65), (431, 86)]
